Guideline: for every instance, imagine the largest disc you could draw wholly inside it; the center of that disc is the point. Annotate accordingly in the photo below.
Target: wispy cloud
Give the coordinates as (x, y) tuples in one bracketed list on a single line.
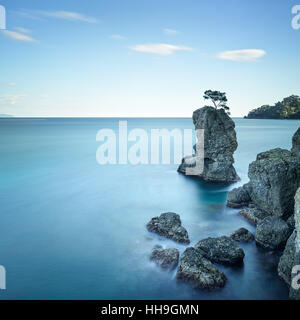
[(18, 36), (242, 55), (12, 84), (63, 15), (22, 30), (160, 48), (11, 99), (117, 37), (170, 31)]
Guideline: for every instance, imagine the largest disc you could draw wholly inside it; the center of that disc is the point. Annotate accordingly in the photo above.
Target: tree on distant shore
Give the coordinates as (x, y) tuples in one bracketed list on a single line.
[(218, 99)]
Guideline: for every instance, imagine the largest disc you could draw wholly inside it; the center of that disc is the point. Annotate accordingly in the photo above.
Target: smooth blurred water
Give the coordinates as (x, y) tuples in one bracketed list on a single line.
[(73, 229)]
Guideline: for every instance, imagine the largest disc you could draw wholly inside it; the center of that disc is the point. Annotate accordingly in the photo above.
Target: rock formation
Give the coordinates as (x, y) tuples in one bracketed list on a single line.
[(296, 143), (274, 178), (165, 258), (239, 197), (242, 235), (291, 255), (272, 233), (286, 261), (221, 250), (219, 145), (253, 215), (198, 271), (169, 225)]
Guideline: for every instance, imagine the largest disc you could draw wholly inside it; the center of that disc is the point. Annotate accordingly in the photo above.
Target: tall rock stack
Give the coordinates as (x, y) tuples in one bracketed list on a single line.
[(219, 145)]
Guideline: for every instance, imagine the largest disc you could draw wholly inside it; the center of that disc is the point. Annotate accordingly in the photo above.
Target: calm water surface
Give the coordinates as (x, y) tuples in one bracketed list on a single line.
[(73, 229)]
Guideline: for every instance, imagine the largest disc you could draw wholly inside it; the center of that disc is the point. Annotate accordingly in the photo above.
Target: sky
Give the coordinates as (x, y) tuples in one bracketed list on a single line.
[(145, 58)]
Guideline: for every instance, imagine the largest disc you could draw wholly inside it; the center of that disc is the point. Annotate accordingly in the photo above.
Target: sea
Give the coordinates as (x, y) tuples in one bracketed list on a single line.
[(72, 228)]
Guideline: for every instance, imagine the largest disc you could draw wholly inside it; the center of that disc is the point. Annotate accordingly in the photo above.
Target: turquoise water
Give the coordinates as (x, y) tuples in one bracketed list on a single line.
[(73, 229)]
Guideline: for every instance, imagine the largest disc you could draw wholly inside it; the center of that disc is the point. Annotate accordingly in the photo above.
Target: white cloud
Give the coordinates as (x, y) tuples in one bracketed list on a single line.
[(64, 15), (12, 84), (117, 37), (11, 99), (18, 36), (68, 15), (170, 31), (22, 30), (160, 48), (242, 55)]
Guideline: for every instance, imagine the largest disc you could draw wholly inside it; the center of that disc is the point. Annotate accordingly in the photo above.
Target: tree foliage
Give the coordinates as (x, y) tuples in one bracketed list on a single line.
[(218, 99), (289, 108)]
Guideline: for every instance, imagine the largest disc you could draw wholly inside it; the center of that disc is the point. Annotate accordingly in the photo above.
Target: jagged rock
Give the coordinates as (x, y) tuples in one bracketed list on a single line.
[(272, 233), (274, 179), (253, 215), (286, 261), (198, 271), (242, 235), (165, 258), (219, 145), (221, 250), (296, 143), (169, 225), (187, 162), (239, 197), (294, 292)]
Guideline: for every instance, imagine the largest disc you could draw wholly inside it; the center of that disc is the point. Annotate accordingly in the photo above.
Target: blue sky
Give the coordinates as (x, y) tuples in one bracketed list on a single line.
[(145, 57)]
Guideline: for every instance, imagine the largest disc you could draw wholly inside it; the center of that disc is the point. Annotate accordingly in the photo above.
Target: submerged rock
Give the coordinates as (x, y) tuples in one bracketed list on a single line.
[(219, 145), (253, 215), (165, 258), (198, 271), (221, 250), (286, 261), (169, 225), (242, 235), (239, 197), (272, 233)]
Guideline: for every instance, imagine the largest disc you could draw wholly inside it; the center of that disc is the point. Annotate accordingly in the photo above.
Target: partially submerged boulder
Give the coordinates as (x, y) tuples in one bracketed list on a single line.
[(198, 271), (219, 145), (272, 233), (274, 179), (253, 215), (242, 235), (221, 250), (169, 225), (239, 197), (165, 258)]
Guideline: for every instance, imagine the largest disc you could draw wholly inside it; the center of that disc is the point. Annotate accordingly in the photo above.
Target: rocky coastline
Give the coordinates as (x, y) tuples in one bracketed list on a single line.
[(270, 201)]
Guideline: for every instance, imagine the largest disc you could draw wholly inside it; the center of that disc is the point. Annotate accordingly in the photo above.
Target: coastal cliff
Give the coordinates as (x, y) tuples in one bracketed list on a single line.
[(219, 145)]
